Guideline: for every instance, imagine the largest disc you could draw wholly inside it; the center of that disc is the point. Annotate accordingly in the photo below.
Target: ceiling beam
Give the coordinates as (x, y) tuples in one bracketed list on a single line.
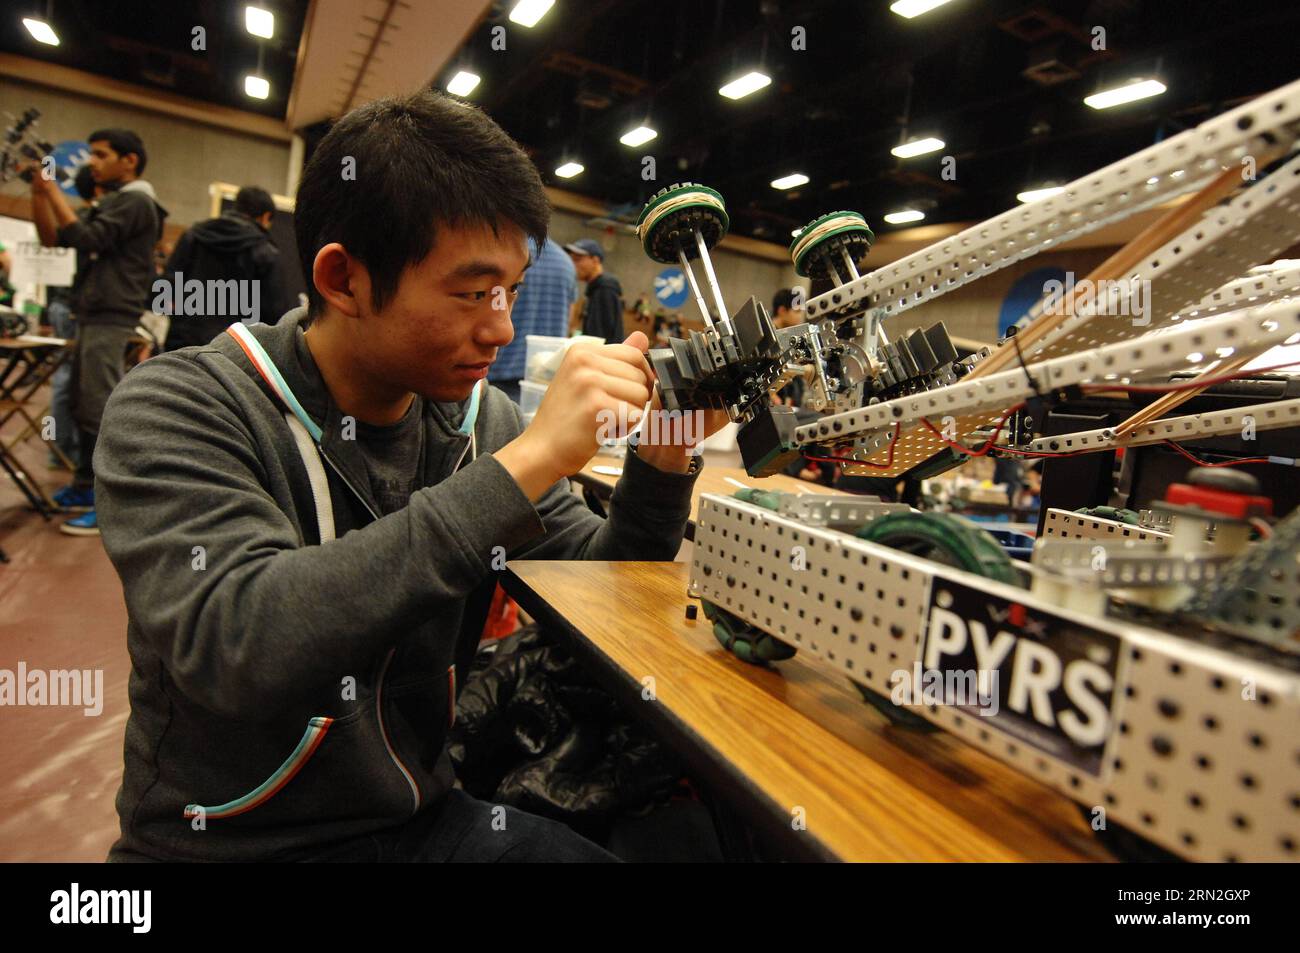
[(353, 53), (81, 83)]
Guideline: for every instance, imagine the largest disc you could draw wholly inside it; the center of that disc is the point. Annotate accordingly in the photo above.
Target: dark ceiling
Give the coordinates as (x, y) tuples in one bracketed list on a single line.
[(150, 43), (593, 69)]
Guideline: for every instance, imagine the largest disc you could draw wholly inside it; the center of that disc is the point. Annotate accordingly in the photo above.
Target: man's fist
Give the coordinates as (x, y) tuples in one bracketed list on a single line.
[(595, 384)]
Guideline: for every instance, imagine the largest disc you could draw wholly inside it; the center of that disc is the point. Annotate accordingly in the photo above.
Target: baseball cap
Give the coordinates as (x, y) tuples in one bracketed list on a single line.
[(586, 246)]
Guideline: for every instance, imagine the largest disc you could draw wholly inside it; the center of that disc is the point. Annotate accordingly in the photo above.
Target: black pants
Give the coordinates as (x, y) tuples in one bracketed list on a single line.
[(468, 830)]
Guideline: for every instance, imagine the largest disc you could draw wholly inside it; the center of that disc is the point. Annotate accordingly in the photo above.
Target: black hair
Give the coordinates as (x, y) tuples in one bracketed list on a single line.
[(123, 142), (417, 163), (84, 182), (784, 298), (254, 202)]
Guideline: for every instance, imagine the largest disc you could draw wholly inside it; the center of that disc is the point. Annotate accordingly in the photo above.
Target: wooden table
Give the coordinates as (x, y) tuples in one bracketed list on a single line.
[(792, 741), (712, 479)]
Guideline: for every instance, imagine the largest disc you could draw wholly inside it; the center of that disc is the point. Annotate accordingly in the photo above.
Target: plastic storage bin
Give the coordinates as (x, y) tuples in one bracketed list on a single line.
[(536, 347), (530, 396)]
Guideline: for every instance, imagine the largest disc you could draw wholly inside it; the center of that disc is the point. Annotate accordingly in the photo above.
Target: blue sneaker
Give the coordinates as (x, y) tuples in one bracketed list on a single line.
[(75, 499), (86, 525)]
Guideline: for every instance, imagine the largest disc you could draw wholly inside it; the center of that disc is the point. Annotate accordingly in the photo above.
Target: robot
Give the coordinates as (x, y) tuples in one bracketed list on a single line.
[(1147, 666)]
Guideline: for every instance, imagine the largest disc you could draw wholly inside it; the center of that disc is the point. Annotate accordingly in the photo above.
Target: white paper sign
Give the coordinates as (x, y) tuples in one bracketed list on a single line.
[(36, 265)]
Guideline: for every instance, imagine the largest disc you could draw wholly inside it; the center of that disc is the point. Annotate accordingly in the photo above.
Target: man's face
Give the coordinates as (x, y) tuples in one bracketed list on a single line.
[(450, 316), (585, 265), (107, 166), (787, 317)]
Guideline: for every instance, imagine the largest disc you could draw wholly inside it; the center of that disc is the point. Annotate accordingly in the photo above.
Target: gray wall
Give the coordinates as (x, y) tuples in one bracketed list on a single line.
[(184, 156)]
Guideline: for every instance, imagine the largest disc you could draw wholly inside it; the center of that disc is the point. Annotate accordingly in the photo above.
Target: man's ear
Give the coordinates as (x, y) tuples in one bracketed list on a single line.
[(340, 279)]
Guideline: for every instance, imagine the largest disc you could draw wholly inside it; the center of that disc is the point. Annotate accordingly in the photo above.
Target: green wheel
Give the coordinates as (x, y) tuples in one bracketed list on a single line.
[(823, 240), (746, 642), (768, 499), (1110, 513), (945, 539), (671, 217)]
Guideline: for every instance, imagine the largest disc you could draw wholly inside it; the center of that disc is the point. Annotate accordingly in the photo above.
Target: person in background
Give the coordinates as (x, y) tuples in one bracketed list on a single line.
[(6, 289), (236, 245), (542, 307), (64, 324), (787, 311), (603, 314), (787, 307), (112, 290)]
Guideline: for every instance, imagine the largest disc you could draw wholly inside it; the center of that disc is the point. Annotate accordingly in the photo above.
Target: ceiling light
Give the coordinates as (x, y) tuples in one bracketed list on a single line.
[(917, 147), (914, 8), (463, 83), (569, 170), (259, 22), (41, 32), (528, 12), (904, 216), (638, 136), (1033, 195), (257, 87), (749, 83), (790, 181), (1141, 89)]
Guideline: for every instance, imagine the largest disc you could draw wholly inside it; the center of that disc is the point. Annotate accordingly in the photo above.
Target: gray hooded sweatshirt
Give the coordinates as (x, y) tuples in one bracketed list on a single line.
[(115, 263), (285, 695)]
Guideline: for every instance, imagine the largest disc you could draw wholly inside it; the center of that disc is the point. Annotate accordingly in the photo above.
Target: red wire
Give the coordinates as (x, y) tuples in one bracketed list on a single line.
[(997, 432), (889, 461), (1205, 463), (988, 444)]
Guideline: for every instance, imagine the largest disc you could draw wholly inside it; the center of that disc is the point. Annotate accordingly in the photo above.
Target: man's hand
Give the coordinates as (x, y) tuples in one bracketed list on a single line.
[(39, 183), (598, 392), (50, 210), (668, 446)]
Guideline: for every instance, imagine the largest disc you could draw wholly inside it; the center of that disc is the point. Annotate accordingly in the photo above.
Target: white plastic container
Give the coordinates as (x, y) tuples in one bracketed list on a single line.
[(542, 354), (536, 348), (530, 396)]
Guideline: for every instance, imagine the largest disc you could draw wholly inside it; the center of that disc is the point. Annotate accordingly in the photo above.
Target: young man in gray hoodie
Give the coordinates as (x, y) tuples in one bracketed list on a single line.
[(309, 519), (115, 272)]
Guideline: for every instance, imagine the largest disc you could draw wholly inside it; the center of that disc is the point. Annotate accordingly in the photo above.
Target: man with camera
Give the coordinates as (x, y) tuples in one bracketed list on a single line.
[(117, 238)]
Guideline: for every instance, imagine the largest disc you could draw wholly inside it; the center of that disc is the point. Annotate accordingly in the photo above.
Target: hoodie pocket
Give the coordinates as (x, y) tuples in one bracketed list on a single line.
[(318, 729)]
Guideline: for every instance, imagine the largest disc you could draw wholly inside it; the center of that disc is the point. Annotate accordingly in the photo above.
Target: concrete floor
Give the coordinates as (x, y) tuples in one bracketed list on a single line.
[(60, 608)]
